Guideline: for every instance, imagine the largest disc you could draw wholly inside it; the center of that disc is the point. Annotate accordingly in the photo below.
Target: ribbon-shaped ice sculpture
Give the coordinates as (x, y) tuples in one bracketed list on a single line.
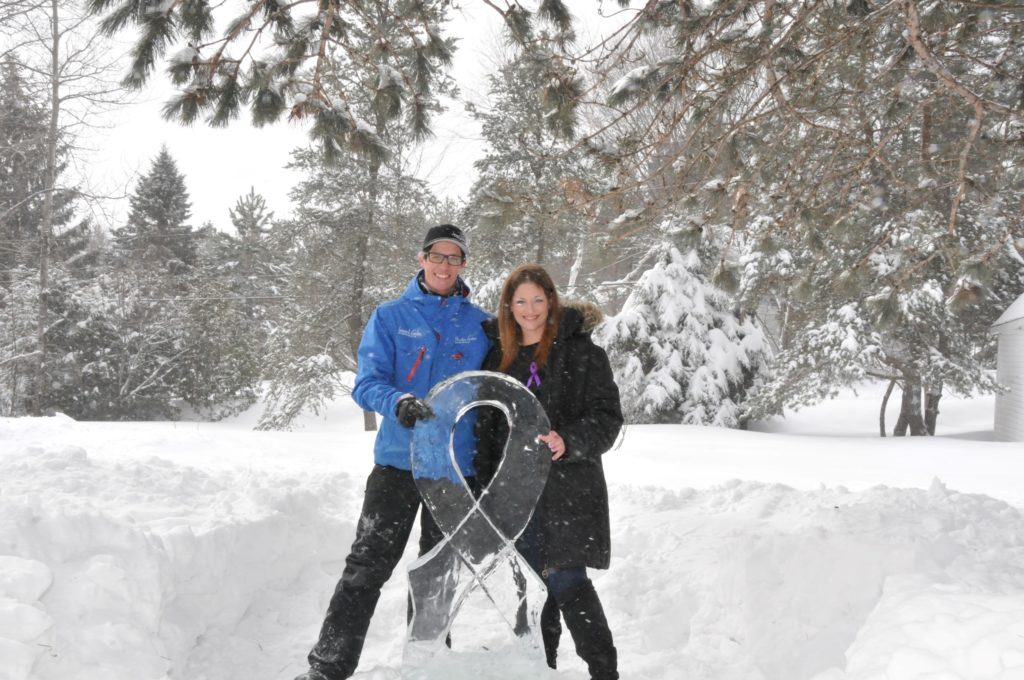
[(478, 550)]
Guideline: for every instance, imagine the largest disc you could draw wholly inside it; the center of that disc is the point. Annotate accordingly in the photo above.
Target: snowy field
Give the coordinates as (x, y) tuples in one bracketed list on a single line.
[(809, 549)]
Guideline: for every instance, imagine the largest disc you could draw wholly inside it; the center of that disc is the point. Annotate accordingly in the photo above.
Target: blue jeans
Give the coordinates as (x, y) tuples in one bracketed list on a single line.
[(530, 545)]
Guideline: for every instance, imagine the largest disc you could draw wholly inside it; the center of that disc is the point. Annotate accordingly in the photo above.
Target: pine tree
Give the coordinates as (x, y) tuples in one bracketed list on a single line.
[(23, 131), (225, 322), (35, 326), (254, 271), (251, 218), (132, 347), (22, 140), (333, 248), (157, 236), (899, 219), (306, 69), (518, 200), (679, 352), (67, 64), (852, 159)]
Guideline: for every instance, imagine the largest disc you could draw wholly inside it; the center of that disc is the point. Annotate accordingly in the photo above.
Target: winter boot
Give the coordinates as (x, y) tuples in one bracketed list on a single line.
[(550, 630), (584, 617)]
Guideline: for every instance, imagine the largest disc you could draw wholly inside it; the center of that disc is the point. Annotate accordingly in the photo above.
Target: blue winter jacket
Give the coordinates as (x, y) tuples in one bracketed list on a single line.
[(409, 345)]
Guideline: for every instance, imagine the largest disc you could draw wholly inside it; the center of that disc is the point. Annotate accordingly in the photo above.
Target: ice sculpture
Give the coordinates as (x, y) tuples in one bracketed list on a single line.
[(480, 532)]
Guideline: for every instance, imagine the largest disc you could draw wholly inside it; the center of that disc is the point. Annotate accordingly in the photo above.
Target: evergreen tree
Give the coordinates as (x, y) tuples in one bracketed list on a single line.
[(850, 158), (328, 243), (23, 139), (157, 236), (253, 223), (224, 325), (154, 343), (132, 376), (110, 352), (900, 212), (67, 63), (18, 343), (36, 327), (518, 200), (250, 215), (679, 352)]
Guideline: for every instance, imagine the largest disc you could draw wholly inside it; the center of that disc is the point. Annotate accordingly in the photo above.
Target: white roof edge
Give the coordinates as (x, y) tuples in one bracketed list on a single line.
[(1014, 312)]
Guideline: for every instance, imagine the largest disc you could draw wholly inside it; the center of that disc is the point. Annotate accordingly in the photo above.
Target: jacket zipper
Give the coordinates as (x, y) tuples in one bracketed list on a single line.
[(416, 364)]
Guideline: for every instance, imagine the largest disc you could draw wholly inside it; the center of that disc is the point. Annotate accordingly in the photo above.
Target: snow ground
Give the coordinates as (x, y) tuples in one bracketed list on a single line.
[(810, 549)]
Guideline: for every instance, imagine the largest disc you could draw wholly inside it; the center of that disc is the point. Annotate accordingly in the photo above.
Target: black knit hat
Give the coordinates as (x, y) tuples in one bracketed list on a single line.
[(445, 232)]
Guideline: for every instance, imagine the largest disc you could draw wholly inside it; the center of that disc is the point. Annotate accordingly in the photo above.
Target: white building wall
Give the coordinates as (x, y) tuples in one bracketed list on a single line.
[(1009, 425)]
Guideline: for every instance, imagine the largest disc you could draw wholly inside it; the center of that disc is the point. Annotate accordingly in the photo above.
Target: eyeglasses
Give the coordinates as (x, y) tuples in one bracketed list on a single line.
[(438, 258)]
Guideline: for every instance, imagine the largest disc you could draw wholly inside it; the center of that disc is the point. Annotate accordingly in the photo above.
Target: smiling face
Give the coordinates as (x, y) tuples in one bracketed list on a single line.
[(440, 277), (530, 310)]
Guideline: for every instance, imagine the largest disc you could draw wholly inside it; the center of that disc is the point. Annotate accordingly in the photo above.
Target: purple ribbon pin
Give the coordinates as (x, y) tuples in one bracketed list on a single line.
[(534, 375)]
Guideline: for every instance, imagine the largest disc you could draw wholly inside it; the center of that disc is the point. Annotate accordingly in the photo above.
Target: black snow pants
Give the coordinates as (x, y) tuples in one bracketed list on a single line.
[(389, 510)]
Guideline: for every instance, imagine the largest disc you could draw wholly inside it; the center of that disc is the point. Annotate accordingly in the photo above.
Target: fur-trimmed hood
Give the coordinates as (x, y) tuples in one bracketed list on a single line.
[(590, 315)]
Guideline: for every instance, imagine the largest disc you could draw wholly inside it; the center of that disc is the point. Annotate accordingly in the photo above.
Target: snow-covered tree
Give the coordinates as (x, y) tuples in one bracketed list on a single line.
[(110, 353), (853, 159), (679, 351), (249, 259), (343, 252), (224, 325), (133, 377), (35, 239), (68, 67), (23, 170), (252, 221), (518, 201), (898, 214), (158, 237)]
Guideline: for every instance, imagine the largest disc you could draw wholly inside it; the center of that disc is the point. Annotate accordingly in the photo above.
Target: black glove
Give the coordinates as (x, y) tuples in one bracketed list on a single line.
[(411, 409)]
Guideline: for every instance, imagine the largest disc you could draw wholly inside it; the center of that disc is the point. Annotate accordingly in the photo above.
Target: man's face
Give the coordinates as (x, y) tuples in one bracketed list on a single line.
[(440, 277)]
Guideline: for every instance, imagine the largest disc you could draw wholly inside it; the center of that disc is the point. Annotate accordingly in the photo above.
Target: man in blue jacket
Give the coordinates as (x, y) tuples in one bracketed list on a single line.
[(410, 344)]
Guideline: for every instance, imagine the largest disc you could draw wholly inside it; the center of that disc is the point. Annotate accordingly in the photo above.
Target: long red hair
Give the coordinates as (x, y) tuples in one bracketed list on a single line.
[(511, 334)]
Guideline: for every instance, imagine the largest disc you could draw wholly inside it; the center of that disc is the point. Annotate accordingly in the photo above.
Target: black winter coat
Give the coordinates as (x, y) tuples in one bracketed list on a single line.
[(581, 400)]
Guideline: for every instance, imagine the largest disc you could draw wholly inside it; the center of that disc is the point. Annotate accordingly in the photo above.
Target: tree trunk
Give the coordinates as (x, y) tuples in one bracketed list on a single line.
[(910, 410), (577, 265), (541, 254), (784, 330), (931, 407), (885, 404), (359, 269), (46, 223)]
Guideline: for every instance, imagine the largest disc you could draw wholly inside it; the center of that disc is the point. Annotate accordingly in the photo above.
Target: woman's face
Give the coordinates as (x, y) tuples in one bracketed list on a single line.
[(530, 310)]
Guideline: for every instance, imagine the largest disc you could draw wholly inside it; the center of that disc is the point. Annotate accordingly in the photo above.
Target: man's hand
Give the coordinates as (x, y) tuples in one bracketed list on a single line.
[(411, 409)]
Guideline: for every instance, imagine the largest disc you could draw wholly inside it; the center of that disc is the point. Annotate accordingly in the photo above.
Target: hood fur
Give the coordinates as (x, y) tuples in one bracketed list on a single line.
[(590, 314)]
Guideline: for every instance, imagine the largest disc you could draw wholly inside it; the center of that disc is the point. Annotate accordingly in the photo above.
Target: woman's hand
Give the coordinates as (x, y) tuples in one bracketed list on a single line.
[(555, 443)]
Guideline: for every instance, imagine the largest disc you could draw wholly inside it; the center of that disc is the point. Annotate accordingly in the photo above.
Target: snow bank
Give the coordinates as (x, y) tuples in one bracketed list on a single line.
[(203, 555), (150, 569)]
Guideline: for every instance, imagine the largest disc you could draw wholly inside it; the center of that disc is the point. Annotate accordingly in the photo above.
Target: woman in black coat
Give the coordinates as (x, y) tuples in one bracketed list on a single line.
[(548, 348)]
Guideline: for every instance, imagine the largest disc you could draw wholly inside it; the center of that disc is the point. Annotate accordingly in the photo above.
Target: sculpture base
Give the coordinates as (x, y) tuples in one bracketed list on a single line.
[(511, 663)]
